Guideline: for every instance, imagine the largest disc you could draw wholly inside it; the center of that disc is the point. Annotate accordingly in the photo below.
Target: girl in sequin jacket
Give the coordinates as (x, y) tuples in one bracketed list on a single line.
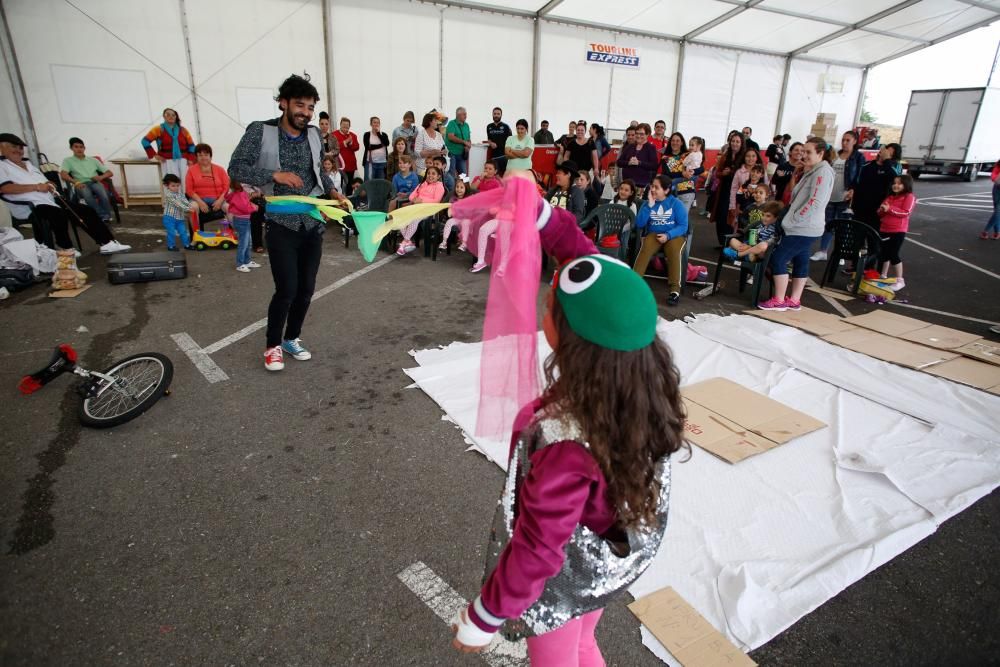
[(584, 508)]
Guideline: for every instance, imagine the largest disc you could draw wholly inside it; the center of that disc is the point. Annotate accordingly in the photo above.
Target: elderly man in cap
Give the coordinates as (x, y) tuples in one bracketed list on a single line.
[(26, 190)]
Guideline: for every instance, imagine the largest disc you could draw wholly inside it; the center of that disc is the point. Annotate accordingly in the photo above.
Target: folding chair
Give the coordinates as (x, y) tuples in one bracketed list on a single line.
[(612, 220), (854, 242), (758, 270), (379, 192)]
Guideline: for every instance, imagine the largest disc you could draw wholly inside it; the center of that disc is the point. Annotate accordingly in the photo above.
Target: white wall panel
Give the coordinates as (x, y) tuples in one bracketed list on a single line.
[(138, 36), (570, 88), (706, 93), (647, 93), (756, 95), (803, 99), (487, 63), (385, 60)]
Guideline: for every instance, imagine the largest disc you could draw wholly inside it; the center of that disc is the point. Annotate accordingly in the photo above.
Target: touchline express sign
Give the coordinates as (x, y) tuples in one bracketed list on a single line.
[(612, 55)]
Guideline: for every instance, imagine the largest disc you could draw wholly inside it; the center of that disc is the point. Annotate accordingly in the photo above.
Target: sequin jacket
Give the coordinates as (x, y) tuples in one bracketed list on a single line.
[(547, 561)]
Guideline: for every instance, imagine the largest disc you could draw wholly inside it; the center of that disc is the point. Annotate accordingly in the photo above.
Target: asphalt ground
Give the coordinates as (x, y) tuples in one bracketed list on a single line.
[(264, 519)]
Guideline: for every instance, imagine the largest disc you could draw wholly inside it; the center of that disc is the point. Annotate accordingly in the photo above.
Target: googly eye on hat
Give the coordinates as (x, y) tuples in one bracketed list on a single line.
[(607, 303)]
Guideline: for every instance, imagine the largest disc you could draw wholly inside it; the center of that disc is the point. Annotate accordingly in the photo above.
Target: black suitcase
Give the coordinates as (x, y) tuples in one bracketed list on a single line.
[(140, 267)]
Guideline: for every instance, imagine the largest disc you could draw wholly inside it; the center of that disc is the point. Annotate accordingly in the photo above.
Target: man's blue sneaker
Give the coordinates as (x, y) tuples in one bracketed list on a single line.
[(294, 349)]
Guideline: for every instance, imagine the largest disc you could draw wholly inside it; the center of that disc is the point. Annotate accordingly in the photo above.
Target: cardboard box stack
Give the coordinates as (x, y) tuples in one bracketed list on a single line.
[(825, 127)]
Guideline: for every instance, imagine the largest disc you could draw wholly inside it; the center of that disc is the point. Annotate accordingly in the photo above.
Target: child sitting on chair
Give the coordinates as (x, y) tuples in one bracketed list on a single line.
[(489, 180), (447, 179), (626, 195), (431, 191), (759, 236), (461, 191), (404, 182), (358, 196)]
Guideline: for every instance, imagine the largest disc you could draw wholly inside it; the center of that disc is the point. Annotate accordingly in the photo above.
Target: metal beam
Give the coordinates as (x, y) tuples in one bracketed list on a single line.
[(331, 92), (441, 61), (981, 5), (549, 6), (190, 67), (480, 7), (861, 97), (17, 83), (722, 19), (781, 100), (856, 26), (536, 71), (943, 38), (677, 88)]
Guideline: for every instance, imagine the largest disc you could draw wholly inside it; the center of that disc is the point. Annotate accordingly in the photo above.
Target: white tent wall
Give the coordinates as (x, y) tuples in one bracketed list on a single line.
[(569, 87), (477, 76), (804, 97), (386, 60), (237, 70), (645, 93), (104, 76), (10, 119)]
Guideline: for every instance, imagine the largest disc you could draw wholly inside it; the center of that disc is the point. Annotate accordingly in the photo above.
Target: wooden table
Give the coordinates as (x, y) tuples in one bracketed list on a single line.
[(147, 199)]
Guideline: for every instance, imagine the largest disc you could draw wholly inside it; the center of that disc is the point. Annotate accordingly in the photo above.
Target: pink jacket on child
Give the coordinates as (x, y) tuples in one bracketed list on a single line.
[(897, 218), (428, 193), (239, 204)]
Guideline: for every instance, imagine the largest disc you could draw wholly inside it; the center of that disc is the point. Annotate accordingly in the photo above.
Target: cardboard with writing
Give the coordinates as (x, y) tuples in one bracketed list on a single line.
[(732, 422), (685, 633), (984, 350)]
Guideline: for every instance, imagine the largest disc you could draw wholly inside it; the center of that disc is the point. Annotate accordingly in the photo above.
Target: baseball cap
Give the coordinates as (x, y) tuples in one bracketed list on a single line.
[(9, 138)]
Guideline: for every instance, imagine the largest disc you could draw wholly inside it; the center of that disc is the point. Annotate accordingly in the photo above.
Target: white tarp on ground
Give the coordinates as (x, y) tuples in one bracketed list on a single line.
[(756, 546)]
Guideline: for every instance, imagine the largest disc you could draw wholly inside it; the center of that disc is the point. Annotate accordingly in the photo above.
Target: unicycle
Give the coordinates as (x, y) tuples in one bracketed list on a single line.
[(113, 396)]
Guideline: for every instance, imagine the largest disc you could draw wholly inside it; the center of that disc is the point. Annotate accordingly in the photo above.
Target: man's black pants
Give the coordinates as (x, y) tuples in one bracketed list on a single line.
[(294, 258)]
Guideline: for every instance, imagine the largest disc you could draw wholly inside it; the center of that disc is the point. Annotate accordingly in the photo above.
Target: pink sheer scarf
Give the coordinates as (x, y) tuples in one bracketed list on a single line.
[(508, 376)]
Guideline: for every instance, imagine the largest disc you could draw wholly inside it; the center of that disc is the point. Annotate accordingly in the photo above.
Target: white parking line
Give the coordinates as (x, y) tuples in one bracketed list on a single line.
[(971, 206), (964, 195), (941, 312), (955, 259), (445, 602), (200, 356)]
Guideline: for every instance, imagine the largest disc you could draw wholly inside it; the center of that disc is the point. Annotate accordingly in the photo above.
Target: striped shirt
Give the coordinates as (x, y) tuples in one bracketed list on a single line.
[(175, 204)]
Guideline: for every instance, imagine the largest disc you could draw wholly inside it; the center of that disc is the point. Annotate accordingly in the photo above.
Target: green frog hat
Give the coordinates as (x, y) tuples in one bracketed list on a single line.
[(607, 303)]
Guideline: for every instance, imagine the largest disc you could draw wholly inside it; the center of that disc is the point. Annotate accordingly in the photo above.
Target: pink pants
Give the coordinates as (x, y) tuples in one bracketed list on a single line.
[(411, 229), (463, 230), (484, 238), (572, 645)]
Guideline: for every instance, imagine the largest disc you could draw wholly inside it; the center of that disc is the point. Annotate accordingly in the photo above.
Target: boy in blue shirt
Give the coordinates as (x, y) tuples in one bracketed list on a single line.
[(403, 182)]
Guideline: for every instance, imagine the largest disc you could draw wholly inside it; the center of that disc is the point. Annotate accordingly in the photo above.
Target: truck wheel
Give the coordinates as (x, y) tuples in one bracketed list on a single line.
[(971, 174)]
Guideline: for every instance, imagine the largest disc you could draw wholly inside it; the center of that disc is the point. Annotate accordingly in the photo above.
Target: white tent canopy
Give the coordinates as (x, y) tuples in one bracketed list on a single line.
[(104, 69)]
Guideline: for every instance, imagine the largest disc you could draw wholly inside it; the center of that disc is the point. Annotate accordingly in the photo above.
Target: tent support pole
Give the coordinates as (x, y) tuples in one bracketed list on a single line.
[(17, 83), (861, 97), (781, 100), (535, 71), (328, 60), (190, 68), (677, 86), (441, 62)]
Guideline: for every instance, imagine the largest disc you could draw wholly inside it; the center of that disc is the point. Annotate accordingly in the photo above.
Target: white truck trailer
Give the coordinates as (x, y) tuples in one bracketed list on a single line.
[(952, 131)]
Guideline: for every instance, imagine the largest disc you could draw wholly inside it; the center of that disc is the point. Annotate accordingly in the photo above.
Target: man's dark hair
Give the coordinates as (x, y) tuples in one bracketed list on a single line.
[(786, 136), (297, 87), (498, 109), (74, 141), (171, 178)]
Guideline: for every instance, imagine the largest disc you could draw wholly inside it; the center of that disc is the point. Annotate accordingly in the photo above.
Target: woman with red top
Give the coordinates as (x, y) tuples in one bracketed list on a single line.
[(348, 142), (894, 222), (206, 183)]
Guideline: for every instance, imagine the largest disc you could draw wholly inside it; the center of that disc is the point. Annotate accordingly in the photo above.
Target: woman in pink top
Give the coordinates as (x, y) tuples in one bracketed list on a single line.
[(431, 191), (894, 222), (206, 183)]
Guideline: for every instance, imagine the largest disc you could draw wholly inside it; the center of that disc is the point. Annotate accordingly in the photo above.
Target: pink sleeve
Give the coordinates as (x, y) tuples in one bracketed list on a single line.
[(902, 208), (416, 192), (562, 238), (550, 505)]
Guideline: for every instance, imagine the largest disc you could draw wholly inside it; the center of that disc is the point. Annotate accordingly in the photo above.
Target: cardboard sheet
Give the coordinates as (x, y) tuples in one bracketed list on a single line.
[(69, 293), (974, 373), (685, 633), (888, 348), (984, 350), (839, 295), (807, 319), (733, 422), (917, 331)]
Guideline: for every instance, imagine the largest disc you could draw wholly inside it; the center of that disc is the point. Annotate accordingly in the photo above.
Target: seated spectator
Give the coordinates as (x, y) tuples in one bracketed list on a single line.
[(403, 183), (566, 194), (26, 190), (488, 180), (663, 221), (206, 183), (87, 176), (399, 148), (447, 179), (590, 194)]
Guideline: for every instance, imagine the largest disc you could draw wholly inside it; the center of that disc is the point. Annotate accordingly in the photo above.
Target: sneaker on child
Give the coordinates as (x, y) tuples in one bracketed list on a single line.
[(243, 268), (273, 359), (294, 348), (898, 285), (819, 256), (773, 304), (791, 304), (729, 253), (478, 266), (252, 264)]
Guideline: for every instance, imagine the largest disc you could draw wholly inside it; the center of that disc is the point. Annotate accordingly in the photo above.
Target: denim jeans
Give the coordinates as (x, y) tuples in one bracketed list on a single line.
[(97, 198), (242, 227), (459, 164), (374, 170), (176, 228), (993, 225)]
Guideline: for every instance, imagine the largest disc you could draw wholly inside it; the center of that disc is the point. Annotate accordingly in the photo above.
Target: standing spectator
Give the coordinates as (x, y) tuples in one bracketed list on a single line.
[(282, 157), (581, 151), (847, 166), (659, 138), (729, 160), (795, 164), (775, 155), (174, 145), (872, 186), (27, 191), (639, 161), (408, 130), (629, 136), (750, 144), (801, 226), (330, 145), (206, 183), (458, 139), (993, 224), (519, 147), (376, 150), (600, 141), (497, 133), (672, 162), (786, 170), (543, 137), (400, 147), (348, 142), (87, 176), (567, 138), (894, 214), (429, 143)]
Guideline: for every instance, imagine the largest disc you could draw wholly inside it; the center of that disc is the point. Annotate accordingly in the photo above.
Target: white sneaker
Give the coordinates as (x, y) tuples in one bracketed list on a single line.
[(77, 254), (112, 247), (749, 280), (898, 285), (252, 264), (819, 256), (243, 268)]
